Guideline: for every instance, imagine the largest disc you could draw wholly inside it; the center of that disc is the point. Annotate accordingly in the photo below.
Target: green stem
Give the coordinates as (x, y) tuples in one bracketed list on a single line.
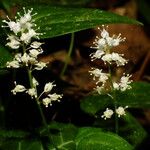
[(38, 104), (114, 100), (68, 55), (41, 112)]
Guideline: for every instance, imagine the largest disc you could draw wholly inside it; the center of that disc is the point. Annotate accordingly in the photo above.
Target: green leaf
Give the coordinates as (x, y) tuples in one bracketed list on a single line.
[(95, 139), (137, 97), (55, 21), (62, 136), (22, 145), (49, 2), (5, 56), (10, 134), (132, 131)]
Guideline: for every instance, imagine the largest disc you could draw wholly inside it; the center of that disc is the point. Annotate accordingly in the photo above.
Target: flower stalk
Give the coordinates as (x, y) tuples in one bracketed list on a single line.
[(103, 46)]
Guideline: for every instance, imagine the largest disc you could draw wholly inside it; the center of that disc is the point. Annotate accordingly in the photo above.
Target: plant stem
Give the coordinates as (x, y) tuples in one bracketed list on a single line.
[(68, 55), (114, 99), (41, 112), (38, 104)]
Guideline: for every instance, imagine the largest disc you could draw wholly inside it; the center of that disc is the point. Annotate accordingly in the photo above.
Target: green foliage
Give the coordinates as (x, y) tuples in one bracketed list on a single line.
[(132, 131), (55, 21), (137, 97), (62, 136), (21, 145), (95, 139), (49, 2)]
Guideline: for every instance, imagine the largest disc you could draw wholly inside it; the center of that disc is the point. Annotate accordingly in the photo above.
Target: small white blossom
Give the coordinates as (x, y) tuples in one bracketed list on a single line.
[(55, 97), (17, 57), (47, 101), (114, 40), (99, 89), (18, 88), (34, 53), (13, 64), (121, 111), (125, 82), (32, 92), (27, 16), (97, 55), (114, 57), (25, 59), (48, 87), (40, 65), (14, 42), (116, 86), (14, 26), (35, 82), (36, 44), (107, 114), (51, 97), (102, 77)]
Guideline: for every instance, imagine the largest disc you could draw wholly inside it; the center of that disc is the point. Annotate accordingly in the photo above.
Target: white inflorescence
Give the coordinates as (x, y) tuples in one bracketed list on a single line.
[(121, 111), (103, 46), (21, 36), (107, 114)]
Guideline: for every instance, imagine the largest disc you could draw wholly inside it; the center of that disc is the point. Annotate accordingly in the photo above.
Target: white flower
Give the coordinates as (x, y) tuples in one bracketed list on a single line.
[(107, 41), (121, 111), (40, 65), (51, 97), (27, 16), (120, 61), (104, 32), (116, 86), (114, 40), (99, 89), (107, 58), (114, 57), (35, 82), (17, 57), (36, 44), (18, 88), (25, 59), (13, 64), (48, 87), (34, 53), (14, 43), (32, 92), (47, 101), (125, 82), (102, 77), (14, 26), (107, 114), (97, 55), (55, 97)]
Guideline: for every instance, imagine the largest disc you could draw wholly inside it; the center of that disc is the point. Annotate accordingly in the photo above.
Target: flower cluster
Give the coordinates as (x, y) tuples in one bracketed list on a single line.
[(103, 46), (120, 111), (22, 33)]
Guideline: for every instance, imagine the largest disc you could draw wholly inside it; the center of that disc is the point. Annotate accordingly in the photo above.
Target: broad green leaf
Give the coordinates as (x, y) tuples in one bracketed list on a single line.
[(22, 145), (95, 139), (62, 136), (137, 97), (5, 56), (11, 134), (132, 131), (49, 2), (55, 21)]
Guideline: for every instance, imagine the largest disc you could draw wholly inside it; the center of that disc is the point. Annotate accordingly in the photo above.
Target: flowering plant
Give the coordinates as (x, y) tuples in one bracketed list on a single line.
[(98, 124)]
